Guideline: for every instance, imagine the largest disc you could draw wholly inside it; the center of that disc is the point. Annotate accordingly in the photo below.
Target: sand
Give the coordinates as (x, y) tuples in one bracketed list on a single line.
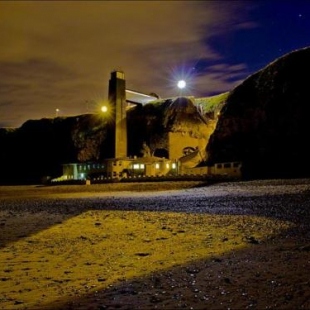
[(169, 245)]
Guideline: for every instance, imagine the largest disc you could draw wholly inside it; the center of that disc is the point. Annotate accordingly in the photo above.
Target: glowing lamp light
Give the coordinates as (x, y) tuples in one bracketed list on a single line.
[(181, 84), (104, 109)]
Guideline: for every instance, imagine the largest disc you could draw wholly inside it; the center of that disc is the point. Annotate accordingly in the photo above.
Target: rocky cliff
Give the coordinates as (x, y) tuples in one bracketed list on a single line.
[(265, 122), (39, 147), (153, 123)]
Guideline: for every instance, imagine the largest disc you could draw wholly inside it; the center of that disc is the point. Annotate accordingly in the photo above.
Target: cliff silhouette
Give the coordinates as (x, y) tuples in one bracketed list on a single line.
[(265, 121)]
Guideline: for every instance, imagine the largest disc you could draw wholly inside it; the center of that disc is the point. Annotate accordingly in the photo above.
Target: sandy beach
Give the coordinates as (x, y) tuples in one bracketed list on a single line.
[(165, 245)]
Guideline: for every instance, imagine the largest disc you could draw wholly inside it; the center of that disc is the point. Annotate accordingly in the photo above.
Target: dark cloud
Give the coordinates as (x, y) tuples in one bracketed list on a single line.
[(59, 54), (35, 69)]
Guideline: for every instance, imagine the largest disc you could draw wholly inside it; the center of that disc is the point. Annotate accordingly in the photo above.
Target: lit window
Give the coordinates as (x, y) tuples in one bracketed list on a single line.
[(135, 166), (141, 166), (174, 165), (157, 165), (167, 165)]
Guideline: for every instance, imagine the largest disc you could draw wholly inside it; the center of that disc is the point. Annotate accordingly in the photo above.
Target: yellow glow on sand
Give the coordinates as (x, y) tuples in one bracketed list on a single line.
[(98, 248)]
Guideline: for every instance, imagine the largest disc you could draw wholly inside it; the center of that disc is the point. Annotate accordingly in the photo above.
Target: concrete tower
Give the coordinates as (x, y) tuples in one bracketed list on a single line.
[(117, 99)]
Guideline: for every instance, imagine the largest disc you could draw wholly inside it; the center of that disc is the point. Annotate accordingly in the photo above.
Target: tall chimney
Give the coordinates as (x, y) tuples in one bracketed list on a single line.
[(117, 99)]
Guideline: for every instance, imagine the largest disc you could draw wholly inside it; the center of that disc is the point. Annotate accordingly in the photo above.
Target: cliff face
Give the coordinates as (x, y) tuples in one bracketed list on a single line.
[(39, 147), (167, 127), (265, 122)]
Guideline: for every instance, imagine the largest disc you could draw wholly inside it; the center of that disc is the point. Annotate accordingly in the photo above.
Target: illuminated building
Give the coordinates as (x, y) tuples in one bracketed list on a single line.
[(184, 150)]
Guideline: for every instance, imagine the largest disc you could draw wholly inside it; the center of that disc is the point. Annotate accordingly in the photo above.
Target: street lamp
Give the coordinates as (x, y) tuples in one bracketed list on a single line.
[(57, 112), (181, 84), (104, 109)]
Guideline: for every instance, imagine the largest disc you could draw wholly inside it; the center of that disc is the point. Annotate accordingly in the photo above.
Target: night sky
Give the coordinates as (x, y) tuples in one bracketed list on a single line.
[(59, 54)]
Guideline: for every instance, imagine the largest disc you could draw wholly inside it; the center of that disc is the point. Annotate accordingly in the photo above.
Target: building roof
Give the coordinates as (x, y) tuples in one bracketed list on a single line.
[(133, 96), (147, 159)]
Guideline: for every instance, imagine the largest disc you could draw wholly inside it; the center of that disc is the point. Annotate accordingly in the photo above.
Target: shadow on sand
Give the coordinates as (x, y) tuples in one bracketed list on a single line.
[(259, 277)]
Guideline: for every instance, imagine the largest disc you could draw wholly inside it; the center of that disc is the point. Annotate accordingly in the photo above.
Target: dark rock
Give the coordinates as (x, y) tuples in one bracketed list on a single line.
[(142, 254), (264, 123)]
